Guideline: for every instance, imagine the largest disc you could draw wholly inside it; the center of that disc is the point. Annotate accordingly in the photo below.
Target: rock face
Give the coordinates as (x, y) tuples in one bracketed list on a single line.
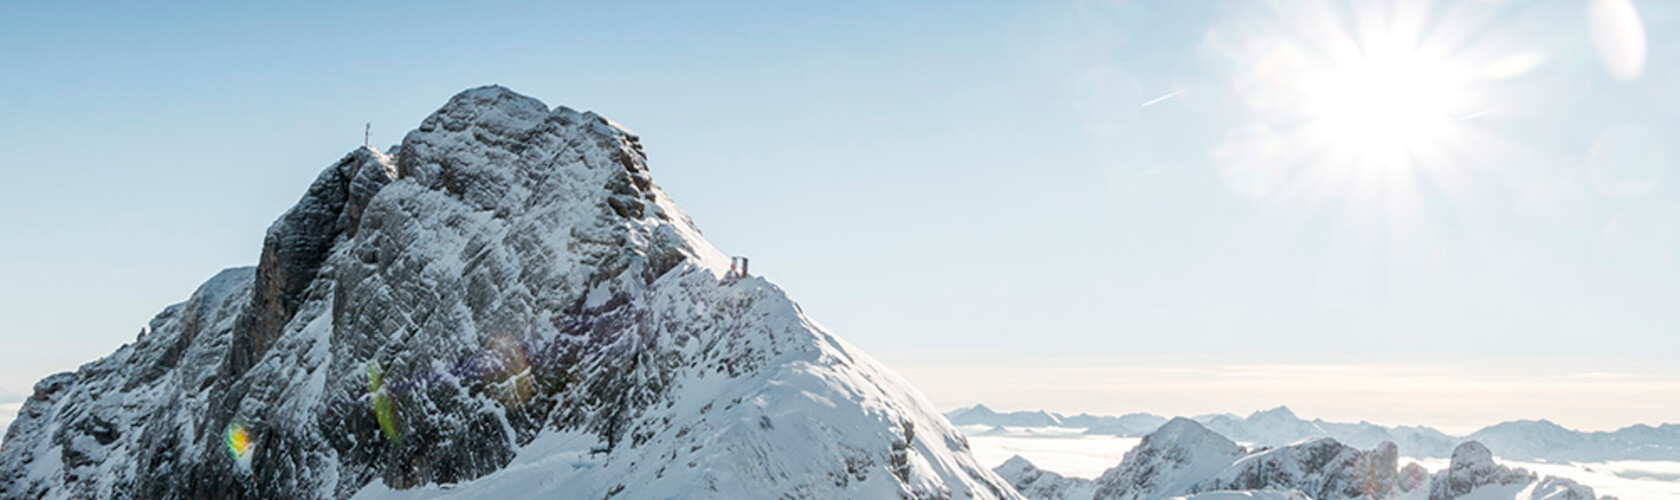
[(507, 293)]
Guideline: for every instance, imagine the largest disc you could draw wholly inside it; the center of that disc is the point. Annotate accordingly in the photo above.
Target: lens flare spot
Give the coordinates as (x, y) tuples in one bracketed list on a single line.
[(239, 441), (384, 406), (1619, 37), (509, 373)]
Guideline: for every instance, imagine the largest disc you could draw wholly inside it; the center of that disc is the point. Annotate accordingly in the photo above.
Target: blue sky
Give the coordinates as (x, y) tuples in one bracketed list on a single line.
[(970, 191)]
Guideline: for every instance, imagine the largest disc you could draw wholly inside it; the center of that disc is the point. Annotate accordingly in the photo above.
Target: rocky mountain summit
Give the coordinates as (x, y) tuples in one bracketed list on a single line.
[(504, 304), (1184, 459)]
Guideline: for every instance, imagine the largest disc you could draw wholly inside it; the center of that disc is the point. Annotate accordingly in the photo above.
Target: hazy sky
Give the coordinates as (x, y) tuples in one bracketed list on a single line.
[(1448, 213)]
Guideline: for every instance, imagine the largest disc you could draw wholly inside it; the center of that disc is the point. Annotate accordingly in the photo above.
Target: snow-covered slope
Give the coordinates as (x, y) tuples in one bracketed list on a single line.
[(506, 304)]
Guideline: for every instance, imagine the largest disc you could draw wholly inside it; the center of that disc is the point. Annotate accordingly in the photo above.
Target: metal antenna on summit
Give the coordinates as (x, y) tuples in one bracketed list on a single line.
[(367, 135)]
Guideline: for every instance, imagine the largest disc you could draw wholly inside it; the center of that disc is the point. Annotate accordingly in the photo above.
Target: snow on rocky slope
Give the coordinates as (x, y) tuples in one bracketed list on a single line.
[(505, 304), (1186, 460)]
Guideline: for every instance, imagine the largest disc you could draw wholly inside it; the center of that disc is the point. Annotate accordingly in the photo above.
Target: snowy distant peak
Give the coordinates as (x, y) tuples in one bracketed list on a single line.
[(1039, 484), (1173, 460), (982, 415), (1187, 433), (1472, 468), (1015, 466), (1472, 454), (976, 412), (1279, 413)]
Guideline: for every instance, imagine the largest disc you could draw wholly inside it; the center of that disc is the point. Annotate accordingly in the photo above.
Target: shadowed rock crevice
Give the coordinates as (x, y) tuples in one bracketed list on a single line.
[(298, 244)]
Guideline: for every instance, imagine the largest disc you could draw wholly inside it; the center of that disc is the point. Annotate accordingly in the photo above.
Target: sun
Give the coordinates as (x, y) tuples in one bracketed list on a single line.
[(1384, 105), (1371, 102)]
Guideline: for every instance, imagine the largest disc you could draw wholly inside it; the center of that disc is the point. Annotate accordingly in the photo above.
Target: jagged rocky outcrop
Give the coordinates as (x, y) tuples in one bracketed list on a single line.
[(505, 304), (1040, 484), (1321, 468)]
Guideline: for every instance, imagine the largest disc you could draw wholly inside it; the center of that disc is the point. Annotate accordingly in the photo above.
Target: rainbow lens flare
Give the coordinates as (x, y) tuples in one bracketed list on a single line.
[(384, 407), (239, 442)]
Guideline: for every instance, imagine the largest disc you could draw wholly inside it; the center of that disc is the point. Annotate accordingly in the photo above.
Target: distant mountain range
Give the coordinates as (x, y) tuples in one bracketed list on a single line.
[(1533, 440), (1184, 460)]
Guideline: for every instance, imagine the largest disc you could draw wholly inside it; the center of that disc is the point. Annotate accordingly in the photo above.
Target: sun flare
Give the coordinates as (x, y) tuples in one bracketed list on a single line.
[(1376, 101), (1382, 106)]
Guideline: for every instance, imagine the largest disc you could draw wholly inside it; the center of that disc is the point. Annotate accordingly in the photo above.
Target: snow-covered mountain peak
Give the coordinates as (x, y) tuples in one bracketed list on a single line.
[(1281, 413), (1182, 432), (1173, 460), (1472, 454), (504, 302)]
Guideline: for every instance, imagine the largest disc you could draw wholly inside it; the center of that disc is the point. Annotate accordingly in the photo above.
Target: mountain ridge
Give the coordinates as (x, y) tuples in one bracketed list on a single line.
[(1186, 460), (1280, 426)]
